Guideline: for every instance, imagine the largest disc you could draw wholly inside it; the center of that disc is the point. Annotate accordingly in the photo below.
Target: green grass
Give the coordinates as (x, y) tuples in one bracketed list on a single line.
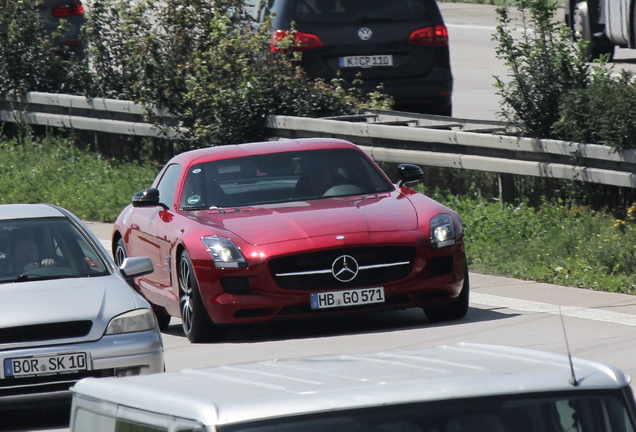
[(56, 172), (555, 243)]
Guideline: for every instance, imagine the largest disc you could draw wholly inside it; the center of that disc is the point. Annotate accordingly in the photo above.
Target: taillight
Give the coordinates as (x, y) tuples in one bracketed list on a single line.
[(68, 10), (430, 36), (302, 41)]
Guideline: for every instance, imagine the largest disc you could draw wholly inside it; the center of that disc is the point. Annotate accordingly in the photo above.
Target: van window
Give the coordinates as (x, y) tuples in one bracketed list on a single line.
[(509, 413), (86, 420)]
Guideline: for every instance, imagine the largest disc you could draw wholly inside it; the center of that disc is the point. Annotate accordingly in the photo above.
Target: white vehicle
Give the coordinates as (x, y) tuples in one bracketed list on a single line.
[(456, 388), (605, 24)]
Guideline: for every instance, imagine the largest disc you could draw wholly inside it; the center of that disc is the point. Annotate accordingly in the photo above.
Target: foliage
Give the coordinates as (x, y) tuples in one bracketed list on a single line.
[(57, 172), (544, 65), (552, 90), (557, 243), (30, 58), (207, 64), (609, 117)]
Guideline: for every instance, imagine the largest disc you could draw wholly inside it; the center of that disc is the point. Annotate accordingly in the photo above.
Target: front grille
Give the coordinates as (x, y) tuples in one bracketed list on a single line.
[(45, 332), (313, 271)]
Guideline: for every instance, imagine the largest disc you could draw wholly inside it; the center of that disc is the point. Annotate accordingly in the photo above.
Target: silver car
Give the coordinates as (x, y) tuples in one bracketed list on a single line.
[(66, 311), (460, 388)]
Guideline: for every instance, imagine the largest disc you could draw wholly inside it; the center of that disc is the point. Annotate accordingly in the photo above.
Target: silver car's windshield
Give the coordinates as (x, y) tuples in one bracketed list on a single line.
[(573, 412), (46, 248), (281, 177)]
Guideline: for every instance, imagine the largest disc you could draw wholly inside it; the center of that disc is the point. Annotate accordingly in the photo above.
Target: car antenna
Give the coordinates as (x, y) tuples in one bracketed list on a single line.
[(573, 379)]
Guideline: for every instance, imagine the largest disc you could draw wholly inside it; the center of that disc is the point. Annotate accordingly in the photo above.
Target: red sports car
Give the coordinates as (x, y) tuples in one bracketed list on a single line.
[(252, 232)]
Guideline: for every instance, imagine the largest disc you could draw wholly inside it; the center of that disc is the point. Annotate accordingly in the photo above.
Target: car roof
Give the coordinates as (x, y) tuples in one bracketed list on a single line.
[(28, 211), (258, 148), (268, 389)]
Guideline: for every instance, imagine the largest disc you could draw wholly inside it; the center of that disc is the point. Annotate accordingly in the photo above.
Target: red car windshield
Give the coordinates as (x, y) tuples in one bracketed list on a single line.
[(281, 177)]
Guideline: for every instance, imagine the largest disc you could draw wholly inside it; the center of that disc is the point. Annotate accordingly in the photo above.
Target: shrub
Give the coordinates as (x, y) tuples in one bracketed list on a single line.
[(544, 63), (207, 64), (603, 113), (30, 59)]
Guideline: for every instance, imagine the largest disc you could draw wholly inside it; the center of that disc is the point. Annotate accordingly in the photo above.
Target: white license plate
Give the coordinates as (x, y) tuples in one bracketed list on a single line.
[(45, 365), (346, 298), (366, 61)]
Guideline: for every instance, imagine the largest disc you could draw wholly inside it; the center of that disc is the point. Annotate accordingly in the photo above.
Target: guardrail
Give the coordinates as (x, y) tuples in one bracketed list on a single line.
[(388, 136), (77, 112)]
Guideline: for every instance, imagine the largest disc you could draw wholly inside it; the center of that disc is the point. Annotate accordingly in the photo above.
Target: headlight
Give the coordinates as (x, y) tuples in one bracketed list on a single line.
[(224, 252), (442, 231), (130, 322)]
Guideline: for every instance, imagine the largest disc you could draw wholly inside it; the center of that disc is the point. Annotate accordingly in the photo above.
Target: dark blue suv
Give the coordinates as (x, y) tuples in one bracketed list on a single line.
[(401, 45)]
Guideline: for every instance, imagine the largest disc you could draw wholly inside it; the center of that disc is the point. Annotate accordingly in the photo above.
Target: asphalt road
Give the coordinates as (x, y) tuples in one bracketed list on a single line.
[(598, 325)]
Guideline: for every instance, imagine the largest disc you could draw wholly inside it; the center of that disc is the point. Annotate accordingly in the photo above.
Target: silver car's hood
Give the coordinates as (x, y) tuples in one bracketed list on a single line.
[(97, 299)]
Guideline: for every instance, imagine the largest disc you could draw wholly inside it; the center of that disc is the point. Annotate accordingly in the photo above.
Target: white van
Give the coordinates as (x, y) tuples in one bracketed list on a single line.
[(466, 387)]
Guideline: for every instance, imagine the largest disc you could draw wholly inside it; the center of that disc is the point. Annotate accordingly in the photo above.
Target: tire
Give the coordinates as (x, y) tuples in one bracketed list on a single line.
[(596, 47), (197, 325), (452, 311), (120, 254), (163, 320)]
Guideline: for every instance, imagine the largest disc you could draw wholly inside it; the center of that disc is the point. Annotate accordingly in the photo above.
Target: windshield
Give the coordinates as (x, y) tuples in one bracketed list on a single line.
[(358, 11), (46, 248), (594, 412), (281, 177)]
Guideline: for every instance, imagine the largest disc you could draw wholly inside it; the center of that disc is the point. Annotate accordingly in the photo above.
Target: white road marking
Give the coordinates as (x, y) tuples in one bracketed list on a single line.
[(539, 307)]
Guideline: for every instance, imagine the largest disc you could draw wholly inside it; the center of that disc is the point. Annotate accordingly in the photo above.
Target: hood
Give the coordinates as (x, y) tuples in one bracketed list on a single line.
[(97, 299), (300, 220)]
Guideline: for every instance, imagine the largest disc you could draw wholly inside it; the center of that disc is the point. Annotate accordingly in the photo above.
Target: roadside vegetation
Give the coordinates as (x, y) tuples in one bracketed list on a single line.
[(556, 242), (207, 64), (552, 90), (56, 171)]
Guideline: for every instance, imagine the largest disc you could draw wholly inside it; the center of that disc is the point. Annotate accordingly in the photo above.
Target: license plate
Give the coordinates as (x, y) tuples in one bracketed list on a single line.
[(366, 61), (45, 365), (346, 298)]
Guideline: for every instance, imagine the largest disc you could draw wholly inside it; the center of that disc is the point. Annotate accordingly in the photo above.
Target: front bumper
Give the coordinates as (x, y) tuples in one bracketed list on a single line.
[(111, 356), (434, 280)]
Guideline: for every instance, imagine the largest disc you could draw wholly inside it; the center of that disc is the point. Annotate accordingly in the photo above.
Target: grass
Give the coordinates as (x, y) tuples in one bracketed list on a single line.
[(554, 242), (56, 172)]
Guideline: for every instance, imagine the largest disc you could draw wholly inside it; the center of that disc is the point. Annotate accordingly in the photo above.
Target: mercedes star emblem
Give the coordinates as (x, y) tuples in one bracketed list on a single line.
[(344, 268), (365, 33)]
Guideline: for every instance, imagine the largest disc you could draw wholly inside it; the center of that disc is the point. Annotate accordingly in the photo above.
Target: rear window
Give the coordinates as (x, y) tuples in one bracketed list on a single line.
[(359, 11)]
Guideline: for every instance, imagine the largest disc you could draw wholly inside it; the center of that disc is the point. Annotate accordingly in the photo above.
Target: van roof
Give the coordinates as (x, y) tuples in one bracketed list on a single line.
[(268, 389)]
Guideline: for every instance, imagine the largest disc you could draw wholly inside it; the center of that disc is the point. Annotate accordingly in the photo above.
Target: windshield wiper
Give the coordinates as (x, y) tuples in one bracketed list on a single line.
[(198, 208)]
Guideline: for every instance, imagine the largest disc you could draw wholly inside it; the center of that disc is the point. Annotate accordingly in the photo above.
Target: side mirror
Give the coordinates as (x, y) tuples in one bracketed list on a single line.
[(409, 173), (133, 267), (147, 198)]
